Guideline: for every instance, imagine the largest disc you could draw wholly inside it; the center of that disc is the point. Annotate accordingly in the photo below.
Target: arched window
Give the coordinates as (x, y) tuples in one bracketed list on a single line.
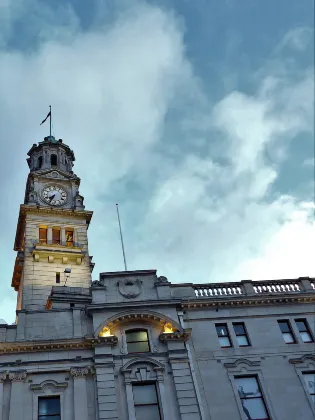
[(53, 160), (137, 341), (39, 162)]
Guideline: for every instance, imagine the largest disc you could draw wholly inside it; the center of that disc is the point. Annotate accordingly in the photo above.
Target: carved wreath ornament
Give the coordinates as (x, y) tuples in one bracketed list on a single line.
[(130, 288)]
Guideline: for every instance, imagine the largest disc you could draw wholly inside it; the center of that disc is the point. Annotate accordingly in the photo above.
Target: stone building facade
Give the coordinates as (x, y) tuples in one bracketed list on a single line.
[(132, 345)]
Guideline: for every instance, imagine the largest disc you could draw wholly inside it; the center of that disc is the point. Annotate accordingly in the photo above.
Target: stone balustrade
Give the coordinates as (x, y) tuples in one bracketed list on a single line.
[(249, 288)]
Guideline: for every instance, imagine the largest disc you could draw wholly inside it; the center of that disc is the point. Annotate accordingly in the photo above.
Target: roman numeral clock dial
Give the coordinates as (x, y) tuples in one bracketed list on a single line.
[(54, 195)]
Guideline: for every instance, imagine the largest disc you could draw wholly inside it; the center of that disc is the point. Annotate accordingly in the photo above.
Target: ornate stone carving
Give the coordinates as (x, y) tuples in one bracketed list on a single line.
[(54, 174), (17, 376), (3, 376), (32, 197), (162, 279), (79, 372), (98, 283), (130, 288)]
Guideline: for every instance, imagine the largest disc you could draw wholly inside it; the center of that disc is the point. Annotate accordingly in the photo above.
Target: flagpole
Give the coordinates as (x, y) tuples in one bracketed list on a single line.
[(121, 238), (50, 121)]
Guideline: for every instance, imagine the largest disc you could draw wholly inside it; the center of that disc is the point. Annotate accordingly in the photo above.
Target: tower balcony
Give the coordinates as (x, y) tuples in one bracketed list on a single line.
[(53, 251)]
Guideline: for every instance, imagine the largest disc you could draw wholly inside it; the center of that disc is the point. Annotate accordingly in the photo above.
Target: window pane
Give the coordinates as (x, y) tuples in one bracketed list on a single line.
[(221, 330), (56, 236), (49, 405), (239, 329), (144, 394), (69, 237), (288, 338), (247, 387), (284, 327), (310, 382), (149, 412), (306, 337), (301, 325), (43, 235), (140, 347), (254, 409), (136, 336), (224, 342), (242, 340)]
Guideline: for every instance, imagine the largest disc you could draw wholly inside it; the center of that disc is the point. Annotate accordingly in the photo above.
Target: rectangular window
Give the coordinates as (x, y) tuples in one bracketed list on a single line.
[(69, 237), (49, 408), (137, 341), (304, 330), (287, 333), (57, 277), (252, 401), (241, 334), (146, 402), (56, 236), (309, 378), (43, 235), (223, 334)]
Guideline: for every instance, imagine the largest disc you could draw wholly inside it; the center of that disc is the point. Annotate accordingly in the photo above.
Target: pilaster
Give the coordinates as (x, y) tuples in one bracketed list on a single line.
[(183, 380), (17, 393), (3, 376), (80, 392)]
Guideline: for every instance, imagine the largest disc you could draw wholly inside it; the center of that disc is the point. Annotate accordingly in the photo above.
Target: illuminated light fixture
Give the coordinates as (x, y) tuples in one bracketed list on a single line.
[(105, 332), (168, 329)]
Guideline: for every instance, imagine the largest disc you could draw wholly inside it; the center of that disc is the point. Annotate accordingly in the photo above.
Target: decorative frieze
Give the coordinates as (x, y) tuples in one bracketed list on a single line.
[(80, 372), (18, 376)]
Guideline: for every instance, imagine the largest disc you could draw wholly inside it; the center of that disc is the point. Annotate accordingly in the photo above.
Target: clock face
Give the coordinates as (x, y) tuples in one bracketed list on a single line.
[(54, 195)]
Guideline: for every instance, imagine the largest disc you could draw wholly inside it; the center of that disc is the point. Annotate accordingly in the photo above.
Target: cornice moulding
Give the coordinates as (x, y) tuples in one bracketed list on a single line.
[(56, 345)]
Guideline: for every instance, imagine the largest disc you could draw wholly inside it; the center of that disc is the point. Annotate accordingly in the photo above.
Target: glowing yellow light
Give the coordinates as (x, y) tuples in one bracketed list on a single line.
[(168, 328), (105, 332)]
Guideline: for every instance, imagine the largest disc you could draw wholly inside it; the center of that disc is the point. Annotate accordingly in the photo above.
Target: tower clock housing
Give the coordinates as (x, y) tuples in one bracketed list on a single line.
[(51, 238)]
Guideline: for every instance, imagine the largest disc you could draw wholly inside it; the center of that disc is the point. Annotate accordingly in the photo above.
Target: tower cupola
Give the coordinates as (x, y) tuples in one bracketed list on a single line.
[(51, 154)]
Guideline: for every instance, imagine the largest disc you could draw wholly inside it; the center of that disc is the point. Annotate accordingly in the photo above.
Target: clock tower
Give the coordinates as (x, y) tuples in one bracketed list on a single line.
[(51, 237)]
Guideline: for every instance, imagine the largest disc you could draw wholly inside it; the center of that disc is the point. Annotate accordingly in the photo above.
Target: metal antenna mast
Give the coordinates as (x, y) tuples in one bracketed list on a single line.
[(121, 238)]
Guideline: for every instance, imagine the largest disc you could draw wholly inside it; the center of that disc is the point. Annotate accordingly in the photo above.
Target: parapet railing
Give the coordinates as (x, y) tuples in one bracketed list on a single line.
[(248, 287)]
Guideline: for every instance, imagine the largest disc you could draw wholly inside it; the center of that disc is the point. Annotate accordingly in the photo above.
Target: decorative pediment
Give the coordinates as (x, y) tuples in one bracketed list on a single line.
[(49, 384), (142, 370), (242, 363), (306, 358)]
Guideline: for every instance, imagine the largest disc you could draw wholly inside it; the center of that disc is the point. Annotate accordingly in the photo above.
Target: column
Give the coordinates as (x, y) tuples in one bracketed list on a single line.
[(17, 393), (3, 376), (80, 392), (63, 236), (49, 235)]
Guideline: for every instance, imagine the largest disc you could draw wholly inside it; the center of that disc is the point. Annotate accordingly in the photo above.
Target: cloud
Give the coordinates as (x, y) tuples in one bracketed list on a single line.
[(298, 39), (194, 180)]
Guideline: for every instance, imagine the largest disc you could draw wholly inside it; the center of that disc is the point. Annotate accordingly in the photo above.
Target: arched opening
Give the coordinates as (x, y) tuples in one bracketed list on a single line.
[(53, 160), (39, 162)]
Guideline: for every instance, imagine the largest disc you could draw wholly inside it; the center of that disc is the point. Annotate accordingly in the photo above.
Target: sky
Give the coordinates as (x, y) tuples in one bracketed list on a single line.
[(196, 116)]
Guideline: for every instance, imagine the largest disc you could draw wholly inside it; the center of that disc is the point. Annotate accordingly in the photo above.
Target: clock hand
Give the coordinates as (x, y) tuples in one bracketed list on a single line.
[(52, 197)]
